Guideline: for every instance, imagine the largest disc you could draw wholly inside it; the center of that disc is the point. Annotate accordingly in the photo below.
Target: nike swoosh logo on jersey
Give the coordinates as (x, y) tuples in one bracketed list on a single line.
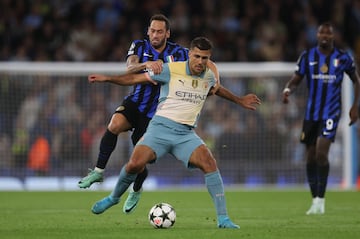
[(326, 133), (312, 63), (146, 54)]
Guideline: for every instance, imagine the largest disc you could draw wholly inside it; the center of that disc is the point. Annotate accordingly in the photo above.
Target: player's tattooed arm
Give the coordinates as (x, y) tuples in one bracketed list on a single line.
[(134, 66)]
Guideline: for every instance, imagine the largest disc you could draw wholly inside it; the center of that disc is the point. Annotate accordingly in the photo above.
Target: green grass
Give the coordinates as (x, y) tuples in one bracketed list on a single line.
[(261, 214)]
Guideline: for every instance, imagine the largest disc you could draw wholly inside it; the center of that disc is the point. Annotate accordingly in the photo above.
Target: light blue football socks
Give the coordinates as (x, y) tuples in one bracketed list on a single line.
[(123, 183), (215, 187)]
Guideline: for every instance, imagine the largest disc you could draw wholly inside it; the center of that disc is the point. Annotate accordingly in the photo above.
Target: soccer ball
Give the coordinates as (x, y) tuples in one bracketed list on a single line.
[(162, 215)]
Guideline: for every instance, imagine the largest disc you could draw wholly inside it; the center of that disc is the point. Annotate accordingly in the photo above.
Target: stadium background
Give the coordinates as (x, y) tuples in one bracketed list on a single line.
[(57, 120)]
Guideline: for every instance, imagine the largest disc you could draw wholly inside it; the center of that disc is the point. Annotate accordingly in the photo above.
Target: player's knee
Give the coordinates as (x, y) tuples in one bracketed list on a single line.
[(118, 124), (134, 166), (115, 127), (208, 165)]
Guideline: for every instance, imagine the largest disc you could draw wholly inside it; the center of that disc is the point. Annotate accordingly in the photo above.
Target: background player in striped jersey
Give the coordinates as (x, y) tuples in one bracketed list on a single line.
[(184, 89), (323, 66), (139, 107)]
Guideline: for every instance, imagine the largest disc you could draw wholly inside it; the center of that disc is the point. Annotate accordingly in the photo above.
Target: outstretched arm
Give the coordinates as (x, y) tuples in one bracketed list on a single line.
[(249, 101), (126, 79), (134, 65)]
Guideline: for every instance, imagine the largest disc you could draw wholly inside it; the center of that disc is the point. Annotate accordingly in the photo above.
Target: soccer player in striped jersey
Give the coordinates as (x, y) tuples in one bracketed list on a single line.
[(139, 107), (323, 66), (184, 90)]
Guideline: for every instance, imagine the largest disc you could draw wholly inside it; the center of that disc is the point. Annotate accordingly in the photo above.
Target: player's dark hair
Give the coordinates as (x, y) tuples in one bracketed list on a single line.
[(202, 43), (326, 24), (161, 17)]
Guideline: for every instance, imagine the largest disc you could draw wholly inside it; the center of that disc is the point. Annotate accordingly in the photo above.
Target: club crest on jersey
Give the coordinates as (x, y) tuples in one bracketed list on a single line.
[(195, 83), (324, 68), (336, 62)]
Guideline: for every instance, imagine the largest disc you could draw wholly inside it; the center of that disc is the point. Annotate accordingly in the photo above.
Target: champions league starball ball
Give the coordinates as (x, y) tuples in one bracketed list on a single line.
[(162, 215)]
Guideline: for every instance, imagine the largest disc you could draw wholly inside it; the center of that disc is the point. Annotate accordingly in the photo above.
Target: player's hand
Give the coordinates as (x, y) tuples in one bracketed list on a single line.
[(96, 78), (250, 101), (354, 115), (285, 96), (154, 66)]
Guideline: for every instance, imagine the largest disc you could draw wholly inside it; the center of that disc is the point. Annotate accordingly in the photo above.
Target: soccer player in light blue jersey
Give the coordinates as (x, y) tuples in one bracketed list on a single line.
[(323, 66), (184, 89)]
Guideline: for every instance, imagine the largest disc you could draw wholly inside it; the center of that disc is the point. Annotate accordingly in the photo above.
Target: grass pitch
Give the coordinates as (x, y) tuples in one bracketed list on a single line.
[(261, 215)]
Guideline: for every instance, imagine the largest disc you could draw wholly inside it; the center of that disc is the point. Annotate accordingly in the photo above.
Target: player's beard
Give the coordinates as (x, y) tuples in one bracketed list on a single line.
[(158, 44), (326, 43)]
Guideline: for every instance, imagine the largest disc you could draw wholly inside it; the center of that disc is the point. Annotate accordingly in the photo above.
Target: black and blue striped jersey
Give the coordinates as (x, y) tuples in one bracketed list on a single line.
[(146, 95), (324, 75)]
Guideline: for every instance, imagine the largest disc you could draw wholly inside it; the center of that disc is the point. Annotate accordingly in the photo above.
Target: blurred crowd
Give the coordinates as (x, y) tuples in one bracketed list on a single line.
[(102, 30), (53, 124)]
